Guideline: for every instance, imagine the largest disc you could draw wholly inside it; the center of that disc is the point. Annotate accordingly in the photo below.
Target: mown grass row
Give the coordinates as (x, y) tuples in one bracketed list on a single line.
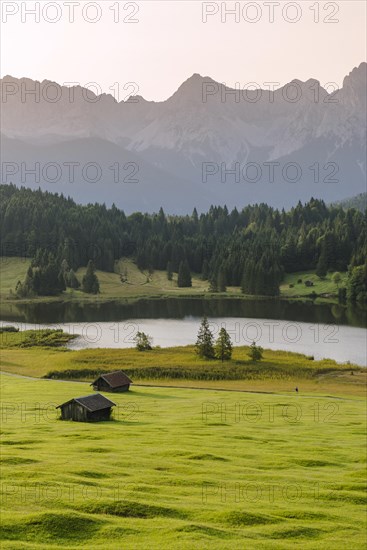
[(231, 372)]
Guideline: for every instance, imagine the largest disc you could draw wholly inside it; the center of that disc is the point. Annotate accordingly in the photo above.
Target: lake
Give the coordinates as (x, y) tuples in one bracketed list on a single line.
[(323, 331)]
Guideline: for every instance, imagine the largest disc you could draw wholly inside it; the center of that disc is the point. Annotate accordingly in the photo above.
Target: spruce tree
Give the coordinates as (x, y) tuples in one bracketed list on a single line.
[(49, 282), (357, 284), (37, 281), (255, 352), (204, 343), (221, 281), (248, 279), (19, 289), (184, 275), (72, 280), (90, 283), (223, 346), (143, 342), (337, 279), (321, 268), (169, 271), (213, 284), (28, 286), (205, 270)]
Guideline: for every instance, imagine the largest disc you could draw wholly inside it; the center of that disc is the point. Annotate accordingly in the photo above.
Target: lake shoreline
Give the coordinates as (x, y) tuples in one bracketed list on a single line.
[(88, 299)]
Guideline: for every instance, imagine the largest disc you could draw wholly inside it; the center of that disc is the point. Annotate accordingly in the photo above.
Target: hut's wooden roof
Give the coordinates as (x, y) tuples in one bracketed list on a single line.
[(92, 403), (115, 379)]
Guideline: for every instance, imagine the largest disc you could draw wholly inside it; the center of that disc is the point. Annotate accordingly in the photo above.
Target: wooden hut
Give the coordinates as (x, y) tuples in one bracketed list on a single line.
[(91, 408), (114, 381)]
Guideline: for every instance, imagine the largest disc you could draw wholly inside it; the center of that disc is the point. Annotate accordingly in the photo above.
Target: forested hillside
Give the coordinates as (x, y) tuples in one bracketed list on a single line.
[(253, 247), (359, 202)]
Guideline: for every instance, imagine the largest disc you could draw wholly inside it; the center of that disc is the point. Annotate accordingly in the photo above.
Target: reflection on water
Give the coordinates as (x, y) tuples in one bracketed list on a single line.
[(179, 308)]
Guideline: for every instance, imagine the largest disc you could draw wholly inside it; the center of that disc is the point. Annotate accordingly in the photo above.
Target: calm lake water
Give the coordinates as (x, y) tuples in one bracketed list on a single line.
[(322, 331)]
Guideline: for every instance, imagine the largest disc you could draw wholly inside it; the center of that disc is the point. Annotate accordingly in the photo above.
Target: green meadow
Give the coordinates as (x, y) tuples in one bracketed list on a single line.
[(198, 454), (182, 468), (322, 287), (42, 354)]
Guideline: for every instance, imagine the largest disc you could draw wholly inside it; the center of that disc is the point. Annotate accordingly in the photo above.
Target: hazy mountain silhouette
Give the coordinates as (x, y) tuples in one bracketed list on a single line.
[(164, 144)]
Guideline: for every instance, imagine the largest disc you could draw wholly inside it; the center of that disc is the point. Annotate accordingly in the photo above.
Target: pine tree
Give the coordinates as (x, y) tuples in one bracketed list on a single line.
[(255, 352), (61, 284), (357, 284), (213, 284), (221, 281), (205, 270), (184, 275), (223, 346), (90, 283), (321, 268), (169, 271), (248, 279), (204, 343), (19, 290), (143, 342), (337, 279), (37, 281), (72, 280), (28, 287), (48, 281)]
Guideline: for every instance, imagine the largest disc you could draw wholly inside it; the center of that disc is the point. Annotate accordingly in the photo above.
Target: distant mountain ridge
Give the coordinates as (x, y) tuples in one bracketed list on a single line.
[(182, 147)]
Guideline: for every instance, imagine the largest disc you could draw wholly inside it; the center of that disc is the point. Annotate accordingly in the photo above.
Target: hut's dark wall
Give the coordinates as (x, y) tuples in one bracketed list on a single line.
[(103, 386), (121, 389), (74, 411), (96, 416)]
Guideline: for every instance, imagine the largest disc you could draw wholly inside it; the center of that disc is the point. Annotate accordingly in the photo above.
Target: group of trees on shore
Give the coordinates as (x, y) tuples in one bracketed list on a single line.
[(251, 248), (45, 278), (205, 346)]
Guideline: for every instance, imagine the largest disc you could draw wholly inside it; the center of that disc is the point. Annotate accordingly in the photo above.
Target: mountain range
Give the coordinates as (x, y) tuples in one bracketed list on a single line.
[(282, 146)]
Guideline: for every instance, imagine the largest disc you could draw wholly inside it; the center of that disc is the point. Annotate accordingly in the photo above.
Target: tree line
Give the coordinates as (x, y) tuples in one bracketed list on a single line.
[(251, 248)]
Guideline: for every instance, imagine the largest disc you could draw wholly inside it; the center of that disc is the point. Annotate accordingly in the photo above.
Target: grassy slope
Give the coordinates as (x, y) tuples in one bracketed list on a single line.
[(164, 475), (12, 270), (137, 286), (321, 286)]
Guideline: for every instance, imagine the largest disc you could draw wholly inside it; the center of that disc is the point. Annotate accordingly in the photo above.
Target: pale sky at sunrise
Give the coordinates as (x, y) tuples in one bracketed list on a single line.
[(169, 42)]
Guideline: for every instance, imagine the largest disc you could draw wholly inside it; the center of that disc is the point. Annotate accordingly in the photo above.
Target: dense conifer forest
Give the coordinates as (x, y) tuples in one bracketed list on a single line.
[(251, 248)]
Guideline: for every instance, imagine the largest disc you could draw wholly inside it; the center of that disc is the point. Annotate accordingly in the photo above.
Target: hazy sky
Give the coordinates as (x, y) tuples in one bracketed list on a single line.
[(169, 42)]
